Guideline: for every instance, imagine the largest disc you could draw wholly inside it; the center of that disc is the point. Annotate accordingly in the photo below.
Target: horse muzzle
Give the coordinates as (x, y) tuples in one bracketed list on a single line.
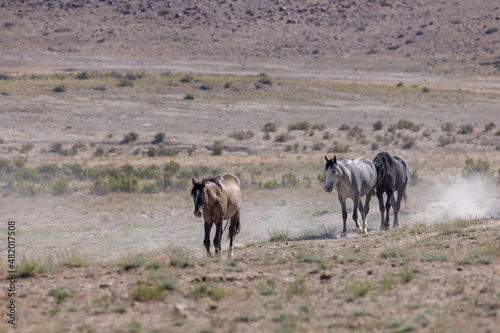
[(197, 213), (328, 189)]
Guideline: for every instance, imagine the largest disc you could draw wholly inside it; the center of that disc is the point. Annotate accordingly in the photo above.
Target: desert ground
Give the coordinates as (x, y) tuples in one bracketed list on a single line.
[(109, 109)]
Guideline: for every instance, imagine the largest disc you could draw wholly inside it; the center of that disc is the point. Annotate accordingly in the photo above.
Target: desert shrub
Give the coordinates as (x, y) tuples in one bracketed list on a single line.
[(319, 127), (149, 188), (407, 274), (378, 125), (26, 148), (339, 148), (27, 267), (344, 127), (59, 88), (60, 294), (269, 185), (180, 258), (101, 186), (159, 137), (322, 176), (242, 135), (217, 148), (298, 286), (471, 168), (265, 79), (318, 145), (206, 86), (490, 126), (228, 85), (290, 180), (189, 97), (132, 136), (4, 77), (187, 78), (20, 161), (172, 167), (125, 82), (284, 137), (425, 90), (354, 132), (152, 152), (83, 76), (300, 126), (408, 142), (60, 186), (414, 179), (124, 184), (270, 127), (465, 129), (99, 152), (448, 127), (446, 140), (358, 288), (409, 125)]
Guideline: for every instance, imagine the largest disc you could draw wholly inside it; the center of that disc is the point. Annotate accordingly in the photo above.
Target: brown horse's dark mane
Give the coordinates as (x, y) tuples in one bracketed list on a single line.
[(201, 184)]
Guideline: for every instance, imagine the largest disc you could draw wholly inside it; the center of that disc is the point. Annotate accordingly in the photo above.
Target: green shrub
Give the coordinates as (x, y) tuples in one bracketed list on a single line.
[(99, 152), (60, 294), (490, 126), (466, 129), (60, 187), (187, 78), (265, 79), (318, 145), (354, 132), (217, 148), (446, 140), (159, 137), (242, 135), (481, 167), (269, 185), (101, 186), (149, 188), (407, 274), (270, 127), (132, 136), (180, 258), (206, 86), (290, 180), (125, 82), (344, 127), (408, 142), (300, 126), (448, 127), (378, 125), (59, 89), (83, 76), (124, 184), (189, 97), (409, 125), (283, 137), (358, 288), (339, 148), (26, 148), (20, 161)]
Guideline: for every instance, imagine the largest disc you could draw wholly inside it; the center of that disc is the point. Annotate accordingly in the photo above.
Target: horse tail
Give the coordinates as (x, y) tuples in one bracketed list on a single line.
[(237, 226)]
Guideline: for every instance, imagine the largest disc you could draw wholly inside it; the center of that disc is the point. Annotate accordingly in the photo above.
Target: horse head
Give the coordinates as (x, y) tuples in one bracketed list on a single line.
[(200, 197), (333, 173)]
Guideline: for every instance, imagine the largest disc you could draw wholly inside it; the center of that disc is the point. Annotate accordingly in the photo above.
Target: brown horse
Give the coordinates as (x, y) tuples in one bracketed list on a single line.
[(217, 199)]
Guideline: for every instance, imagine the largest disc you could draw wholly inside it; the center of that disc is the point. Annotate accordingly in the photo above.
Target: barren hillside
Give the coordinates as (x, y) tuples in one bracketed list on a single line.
[(441, 37)]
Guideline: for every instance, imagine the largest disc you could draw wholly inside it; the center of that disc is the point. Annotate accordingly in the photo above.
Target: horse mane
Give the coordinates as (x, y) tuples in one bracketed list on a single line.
[(201, 184), (213, 180)]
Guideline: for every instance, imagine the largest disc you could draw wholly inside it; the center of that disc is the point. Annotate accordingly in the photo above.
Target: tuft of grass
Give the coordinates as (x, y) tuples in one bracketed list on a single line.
[(72, 258), (278, 235), (147, 292), (358, 288), (60, 294), (217, 148), (386, 283), (27, 267), (267, 288), (407, 274), (131, 260), (298, 286), (180, 258), (199, 290)]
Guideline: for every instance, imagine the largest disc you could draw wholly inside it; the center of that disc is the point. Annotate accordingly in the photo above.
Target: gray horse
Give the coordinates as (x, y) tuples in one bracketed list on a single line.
[(352, 179)]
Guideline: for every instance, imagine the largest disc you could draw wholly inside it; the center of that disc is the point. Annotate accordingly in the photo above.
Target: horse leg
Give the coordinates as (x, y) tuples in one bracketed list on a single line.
[(390, 201), (235, 220), (397, 206), (380, 197), (357, 204), (206, 241), (218, 238), (366, 210), (344, 216)]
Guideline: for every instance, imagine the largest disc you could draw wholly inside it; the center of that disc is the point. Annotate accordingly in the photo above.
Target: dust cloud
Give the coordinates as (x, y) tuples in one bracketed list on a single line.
[(466, 197)]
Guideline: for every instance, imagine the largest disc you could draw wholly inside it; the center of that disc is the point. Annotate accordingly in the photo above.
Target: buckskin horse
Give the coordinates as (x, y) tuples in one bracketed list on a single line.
[(217, 199)]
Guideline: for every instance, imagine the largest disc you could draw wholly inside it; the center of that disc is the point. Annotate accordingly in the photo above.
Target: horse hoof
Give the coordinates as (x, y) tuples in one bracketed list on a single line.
[(343, 235), (359, 231)]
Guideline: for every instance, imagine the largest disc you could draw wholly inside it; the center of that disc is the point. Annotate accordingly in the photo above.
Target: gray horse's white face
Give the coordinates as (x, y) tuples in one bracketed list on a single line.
[(333, 174)]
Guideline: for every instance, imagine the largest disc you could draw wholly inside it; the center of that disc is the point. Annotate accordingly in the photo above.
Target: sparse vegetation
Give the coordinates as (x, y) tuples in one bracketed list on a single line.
[(217, 148), (465, 129)]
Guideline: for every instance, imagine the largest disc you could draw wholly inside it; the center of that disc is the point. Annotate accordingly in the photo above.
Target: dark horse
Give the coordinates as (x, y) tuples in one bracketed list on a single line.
[(392, 176), (217, 199)]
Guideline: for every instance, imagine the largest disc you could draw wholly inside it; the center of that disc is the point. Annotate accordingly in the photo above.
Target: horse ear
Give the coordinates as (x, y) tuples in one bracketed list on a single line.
[(193, 181), (334, 159), (326, 158), (204, 181)]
